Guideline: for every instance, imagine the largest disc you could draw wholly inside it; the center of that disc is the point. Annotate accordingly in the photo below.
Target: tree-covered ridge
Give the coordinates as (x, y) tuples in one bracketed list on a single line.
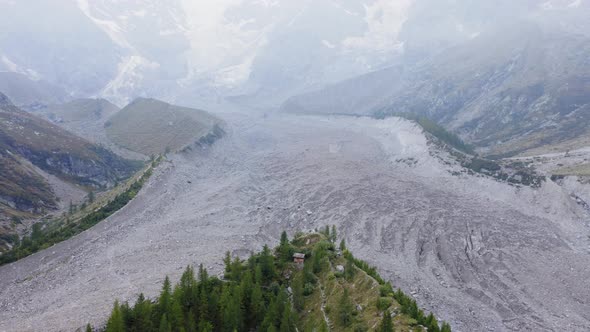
[(331, 291), (434, 129)]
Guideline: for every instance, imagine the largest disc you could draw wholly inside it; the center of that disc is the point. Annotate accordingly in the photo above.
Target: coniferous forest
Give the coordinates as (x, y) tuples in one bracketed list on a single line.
[(330, 291)]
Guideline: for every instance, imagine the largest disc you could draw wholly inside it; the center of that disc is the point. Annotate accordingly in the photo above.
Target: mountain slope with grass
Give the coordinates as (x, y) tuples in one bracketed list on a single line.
[(44, 165), (330, 291), (153, 127)]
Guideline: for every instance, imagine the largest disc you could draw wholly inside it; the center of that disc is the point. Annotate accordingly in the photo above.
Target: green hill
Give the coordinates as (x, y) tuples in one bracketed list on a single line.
[(153, 127), (330, 291)]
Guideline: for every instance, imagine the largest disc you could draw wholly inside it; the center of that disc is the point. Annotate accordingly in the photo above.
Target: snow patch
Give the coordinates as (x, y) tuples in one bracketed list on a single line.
[(13, 67), (112, 29), (130, 74)]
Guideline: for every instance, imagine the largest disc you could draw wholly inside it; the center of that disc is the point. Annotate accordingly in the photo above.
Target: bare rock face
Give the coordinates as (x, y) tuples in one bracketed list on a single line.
[(4, 101), (484, 255)]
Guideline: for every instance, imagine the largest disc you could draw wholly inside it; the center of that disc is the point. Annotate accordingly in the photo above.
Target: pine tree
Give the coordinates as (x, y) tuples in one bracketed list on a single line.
[(285, 249), (287, 320), (246, 289), (165, 299), (349, 269), (188, 287), (326, 231), (324, 327), (205, 326), (203, 306), (236, 269), (257, 306), (91, 197), (342, 245), (164, 325), (258, 274), (176, 316), (267, 265), (142, 311), (386, 323), (230, 309), (431, 323), (284, 239), (127, 313), (88, 328), (271, 316), (191, 324), (333, 235), (227, 263), (116, 322), (413, 311), (445, 327), (345, 309)]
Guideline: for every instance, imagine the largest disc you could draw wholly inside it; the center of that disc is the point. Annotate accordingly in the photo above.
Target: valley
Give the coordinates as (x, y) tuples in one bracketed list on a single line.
[(481, 254)]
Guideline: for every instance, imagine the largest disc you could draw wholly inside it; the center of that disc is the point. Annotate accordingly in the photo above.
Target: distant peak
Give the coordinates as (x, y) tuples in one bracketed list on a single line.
[(4, 100), (143, 100)]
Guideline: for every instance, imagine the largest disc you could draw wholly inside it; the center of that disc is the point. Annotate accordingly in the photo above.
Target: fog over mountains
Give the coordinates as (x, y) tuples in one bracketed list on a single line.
[(121, 50), (148, 47), (448, 141)]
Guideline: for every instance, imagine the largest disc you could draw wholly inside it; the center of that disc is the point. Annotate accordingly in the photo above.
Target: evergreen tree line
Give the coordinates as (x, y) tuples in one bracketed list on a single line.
[(250, 297), (40, 239), (255, 295), (435, 130)]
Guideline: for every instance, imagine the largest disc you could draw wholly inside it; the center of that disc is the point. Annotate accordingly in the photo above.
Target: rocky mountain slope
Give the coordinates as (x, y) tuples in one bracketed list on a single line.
[(38, 158), (153, 127), (505, 91), (29, 93), (479, 253)]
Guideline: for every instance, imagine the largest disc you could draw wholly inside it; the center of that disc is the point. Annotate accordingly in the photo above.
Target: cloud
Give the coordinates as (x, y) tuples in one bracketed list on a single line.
[(220, 44), (384, 20)]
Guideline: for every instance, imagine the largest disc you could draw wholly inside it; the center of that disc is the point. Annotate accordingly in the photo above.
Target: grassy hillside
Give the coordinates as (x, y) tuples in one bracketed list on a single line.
[(153, 127), (331, 291), (32, 149)]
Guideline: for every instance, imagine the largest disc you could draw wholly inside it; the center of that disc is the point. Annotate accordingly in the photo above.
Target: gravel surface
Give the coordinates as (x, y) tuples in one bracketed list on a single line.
[(481, 254)]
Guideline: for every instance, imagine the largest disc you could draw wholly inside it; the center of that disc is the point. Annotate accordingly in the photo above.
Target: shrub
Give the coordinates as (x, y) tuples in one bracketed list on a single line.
[(383, 303)]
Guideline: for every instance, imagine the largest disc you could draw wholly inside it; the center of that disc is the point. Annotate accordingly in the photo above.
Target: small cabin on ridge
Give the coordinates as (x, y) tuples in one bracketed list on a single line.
[(298, 258)]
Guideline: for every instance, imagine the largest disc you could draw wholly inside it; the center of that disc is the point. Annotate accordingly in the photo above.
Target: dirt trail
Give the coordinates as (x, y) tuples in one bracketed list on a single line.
[(480, 254)]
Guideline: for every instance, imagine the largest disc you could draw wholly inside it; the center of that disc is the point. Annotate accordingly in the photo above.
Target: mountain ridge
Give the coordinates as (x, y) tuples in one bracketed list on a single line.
[(519, 96)]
